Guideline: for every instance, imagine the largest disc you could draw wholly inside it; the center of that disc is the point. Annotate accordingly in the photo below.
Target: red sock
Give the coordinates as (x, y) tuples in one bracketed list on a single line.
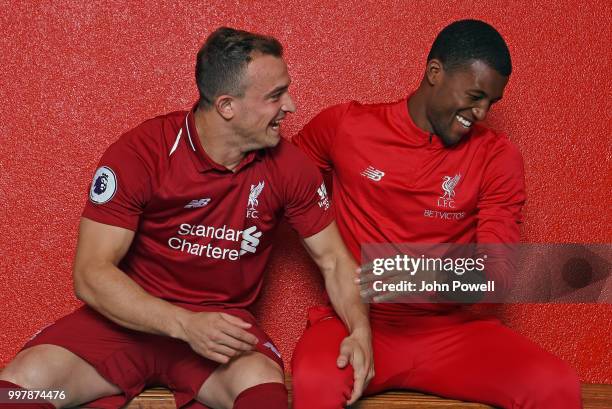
[(16, 404), (264, 396)]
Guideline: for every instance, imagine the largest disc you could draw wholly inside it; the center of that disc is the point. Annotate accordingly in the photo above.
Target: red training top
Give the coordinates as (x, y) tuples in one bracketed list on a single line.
[(395, 183)]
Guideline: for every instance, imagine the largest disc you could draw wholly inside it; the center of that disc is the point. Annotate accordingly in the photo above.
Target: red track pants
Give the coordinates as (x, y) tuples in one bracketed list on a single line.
[(452, 355)]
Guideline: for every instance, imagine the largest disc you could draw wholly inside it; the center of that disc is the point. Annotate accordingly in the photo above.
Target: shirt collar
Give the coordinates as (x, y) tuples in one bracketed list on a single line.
[(204, 162), (415, 134)]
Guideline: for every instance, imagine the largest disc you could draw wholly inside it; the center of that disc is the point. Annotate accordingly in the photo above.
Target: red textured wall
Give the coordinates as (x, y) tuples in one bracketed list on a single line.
[(75, 75)]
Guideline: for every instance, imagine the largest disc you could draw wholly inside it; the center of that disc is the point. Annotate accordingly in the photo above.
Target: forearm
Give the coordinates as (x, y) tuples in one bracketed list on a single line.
[(344, 294), (487, 283), (115, 295)]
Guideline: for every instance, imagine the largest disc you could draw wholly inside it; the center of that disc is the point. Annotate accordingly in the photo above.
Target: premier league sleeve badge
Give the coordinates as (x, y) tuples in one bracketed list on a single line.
[(104, 185)]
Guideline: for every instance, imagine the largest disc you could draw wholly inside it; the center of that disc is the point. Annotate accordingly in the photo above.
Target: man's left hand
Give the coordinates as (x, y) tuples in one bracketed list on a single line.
[(356, 349)]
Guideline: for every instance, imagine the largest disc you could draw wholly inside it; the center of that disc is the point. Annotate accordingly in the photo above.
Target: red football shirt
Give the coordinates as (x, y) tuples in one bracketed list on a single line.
[(203, 232), (395, 183)]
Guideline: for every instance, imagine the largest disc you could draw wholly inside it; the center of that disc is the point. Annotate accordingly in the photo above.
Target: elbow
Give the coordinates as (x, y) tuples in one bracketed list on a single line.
[(328, 267), (80, 285)]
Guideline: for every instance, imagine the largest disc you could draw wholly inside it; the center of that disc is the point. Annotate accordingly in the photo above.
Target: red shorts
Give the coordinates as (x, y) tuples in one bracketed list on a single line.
[(133, 360)]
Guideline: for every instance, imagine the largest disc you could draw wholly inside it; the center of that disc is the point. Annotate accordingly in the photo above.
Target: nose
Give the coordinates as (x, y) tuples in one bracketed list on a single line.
[(288, 104), (480, 111)]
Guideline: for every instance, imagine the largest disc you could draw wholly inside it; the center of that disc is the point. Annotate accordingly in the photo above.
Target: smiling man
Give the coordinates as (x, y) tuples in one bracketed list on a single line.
[(172, 247), (423, 170)]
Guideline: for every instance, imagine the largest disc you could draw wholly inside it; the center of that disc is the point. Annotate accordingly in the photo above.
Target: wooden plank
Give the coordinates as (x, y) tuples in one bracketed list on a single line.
[(597, 396), (594, 397), (405, 399)]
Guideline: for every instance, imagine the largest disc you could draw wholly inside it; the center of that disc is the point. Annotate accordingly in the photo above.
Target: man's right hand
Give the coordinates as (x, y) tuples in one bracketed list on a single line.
[(103, 286), (217, 336)]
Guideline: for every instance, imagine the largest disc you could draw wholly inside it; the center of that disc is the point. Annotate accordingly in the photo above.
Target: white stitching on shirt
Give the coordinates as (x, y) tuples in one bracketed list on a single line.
[(178, 138), (189, 133)]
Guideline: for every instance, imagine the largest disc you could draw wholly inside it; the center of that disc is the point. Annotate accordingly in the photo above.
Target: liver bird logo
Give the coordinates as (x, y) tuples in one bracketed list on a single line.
[(449, 184), (255, 191)]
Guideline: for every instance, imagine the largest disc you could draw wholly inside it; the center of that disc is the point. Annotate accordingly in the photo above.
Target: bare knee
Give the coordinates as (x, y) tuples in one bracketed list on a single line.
[(229, 380), (253, 369), (54, 368), (38, 367)]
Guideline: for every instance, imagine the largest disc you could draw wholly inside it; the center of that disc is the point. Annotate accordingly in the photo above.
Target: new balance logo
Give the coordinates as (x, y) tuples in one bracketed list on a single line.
[(373, 174), (250, 240), (197, 203)]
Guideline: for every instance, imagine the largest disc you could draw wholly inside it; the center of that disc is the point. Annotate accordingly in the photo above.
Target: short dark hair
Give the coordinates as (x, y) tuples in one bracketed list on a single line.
[(222, 59), (465, 41)]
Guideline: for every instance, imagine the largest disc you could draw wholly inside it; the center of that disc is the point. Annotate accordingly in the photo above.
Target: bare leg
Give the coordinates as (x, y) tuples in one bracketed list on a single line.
[(51, 367), (221, 389)]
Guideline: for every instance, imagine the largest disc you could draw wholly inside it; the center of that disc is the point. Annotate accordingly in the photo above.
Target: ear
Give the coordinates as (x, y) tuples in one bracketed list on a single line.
[(224, 104), (434, 71)]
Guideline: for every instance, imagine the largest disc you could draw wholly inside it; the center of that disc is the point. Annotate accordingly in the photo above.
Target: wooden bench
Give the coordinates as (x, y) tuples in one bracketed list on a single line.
[(594, 397)]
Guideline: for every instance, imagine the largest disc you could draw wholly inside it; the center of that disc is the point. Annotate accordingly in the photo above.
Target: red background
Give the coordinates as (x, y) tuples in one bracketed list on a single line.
[(75, 75)]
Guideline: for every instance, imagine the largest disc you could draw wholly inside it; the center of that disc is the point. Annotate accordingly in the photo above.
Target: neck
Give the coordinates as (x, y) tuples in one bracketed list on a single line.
[(417, 108), (217, 139)]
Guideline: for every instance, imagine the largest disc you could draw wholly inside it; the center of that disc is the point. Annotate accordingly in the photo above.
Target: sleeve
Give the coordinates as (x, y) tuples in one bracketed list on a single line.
[(502, 196), (308, 208), (121, 186), (317, 138), (500, 204)]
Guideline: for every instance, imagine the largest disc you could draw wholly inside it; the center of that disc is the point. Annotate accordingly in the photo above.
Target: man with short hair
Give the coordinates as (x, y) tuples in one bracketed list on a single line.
[(391, 164), (173, 243)]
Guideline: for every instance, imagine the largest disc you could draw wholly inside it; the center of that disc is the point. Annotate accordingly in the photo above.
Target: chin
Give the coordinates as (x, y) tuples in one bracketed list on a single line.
[(271, 141), (275, 138), (449, 140)]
